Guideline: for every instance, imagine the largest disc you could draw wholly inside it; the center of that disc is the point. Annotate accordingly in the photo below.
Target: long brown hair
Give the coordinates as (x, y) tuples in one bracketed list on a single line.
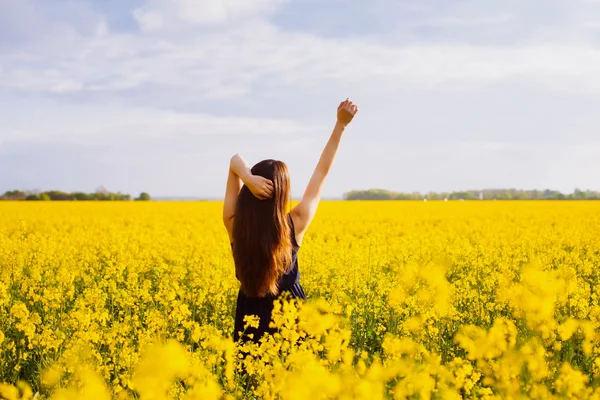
[(262, 233)]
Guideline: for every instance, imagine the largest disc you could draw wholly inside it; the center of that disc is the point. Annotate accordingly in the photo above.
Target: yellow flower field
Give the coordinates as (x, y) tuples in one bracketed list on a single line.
[(407, 300)]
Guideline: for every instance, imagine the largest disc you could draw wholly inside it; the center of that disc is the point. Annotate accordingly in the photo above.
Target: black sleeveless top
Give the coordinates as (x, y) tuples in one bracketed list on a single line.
[(263, 306)]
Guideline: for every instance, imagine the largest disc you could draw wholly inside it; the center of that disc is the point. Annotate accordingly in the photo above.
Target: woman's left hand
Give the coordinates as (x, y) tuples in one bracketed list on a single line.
[(261, 188)]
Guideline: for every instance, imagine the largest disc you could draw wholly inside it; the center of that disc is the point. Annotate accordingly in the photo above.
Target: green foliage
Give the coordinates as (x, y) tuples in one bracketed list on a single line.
[(14, 195), (486, 194), (143, 197), (57, 195)]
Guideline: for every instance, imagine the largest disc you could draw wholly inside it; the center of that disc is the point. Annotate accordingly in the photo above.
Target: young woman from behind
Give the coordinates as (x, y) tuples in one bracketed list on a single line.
[(264, 236)]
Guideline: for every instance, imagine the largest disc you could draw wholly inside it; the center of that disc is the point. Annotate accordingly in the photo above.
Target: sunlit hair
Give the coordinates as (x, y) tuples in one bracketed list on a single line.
[(262, 233)]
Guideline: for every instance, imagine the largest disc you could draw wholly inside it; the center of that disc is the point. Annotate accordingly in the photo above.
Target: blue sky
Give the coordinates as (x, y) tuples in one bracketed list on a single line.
[(156, 95)]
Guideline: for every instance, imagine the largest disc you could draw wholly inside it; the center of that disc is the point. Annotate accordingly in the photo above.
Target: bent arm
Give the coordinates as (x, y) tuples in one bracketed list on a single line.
[(239, 173)]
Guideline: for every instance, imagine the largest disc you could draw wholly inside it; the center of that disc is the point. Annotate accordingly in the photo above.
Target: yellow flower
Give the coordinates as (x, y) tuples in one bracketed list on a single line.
[(476, 299)]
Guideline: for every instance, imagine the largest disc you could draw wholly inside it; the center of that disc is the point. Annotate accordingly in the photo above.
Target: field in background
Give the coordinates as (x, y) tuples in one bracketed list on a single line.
[(406, 299)]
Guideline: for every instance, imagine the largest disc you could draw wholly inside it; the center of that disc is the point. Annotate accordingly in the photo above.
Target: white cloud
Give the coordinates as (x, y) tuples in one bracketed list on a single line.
[(101, 87), (226, 65), (155, 14), (95, 124), (209, 11), (46, 80), (591, 24), (148, 20), (229, 63), (482, 20), (492, 146)]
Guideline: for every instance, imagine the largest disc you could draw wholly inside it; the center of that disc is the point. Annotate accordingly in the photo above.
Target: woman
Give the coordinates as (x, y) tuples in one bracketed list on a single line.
[(264, 237)]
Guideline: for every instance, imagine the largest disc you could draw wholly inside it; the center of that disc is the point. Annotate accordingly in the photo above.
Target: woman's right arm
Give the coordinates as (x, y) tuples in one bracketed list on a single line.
[(240, 174), (304, 212)]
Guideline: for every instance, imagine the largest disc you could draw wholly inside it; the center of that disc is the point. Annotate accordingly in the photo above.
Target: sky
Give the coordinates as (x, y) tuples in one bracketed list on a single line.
[(157, 95)]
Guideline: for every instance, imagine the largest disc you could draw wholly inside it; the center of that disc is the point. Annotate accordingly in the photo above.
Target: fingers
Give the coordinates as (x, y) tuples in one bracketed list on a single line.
[(267, 189), (343, 104), (268, 192), (348, 106), (268, 186), (263, 196)]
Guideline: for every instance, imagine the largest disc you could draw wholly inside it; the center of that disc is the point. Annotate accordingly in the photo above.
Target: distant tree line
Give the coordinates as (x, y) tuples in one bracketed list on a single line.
[(486, 194), (101, 194)]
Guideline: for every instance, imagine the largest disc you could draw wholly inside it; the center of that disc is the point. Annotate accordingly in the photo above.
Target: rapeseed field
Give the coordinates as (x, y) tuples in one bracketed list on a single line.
[(406, 300)]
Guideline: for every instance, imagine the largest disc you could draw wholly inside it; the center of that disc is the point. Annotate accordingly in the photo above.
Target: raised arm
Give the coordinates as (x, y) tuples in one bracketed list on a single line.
[(304, 211), (240, 174)]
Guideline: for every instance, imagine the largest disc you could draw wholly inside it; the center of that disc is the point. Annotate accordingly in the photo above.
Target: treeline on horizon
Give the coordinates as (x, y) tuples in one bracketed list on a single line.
[(487, 194), (100, 194)]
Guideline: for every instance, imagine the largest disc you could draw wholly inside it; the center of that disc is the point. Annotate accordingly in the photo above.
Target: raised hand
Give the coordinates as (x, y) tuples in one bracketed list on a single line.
[(346, 111), (261, 188)]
